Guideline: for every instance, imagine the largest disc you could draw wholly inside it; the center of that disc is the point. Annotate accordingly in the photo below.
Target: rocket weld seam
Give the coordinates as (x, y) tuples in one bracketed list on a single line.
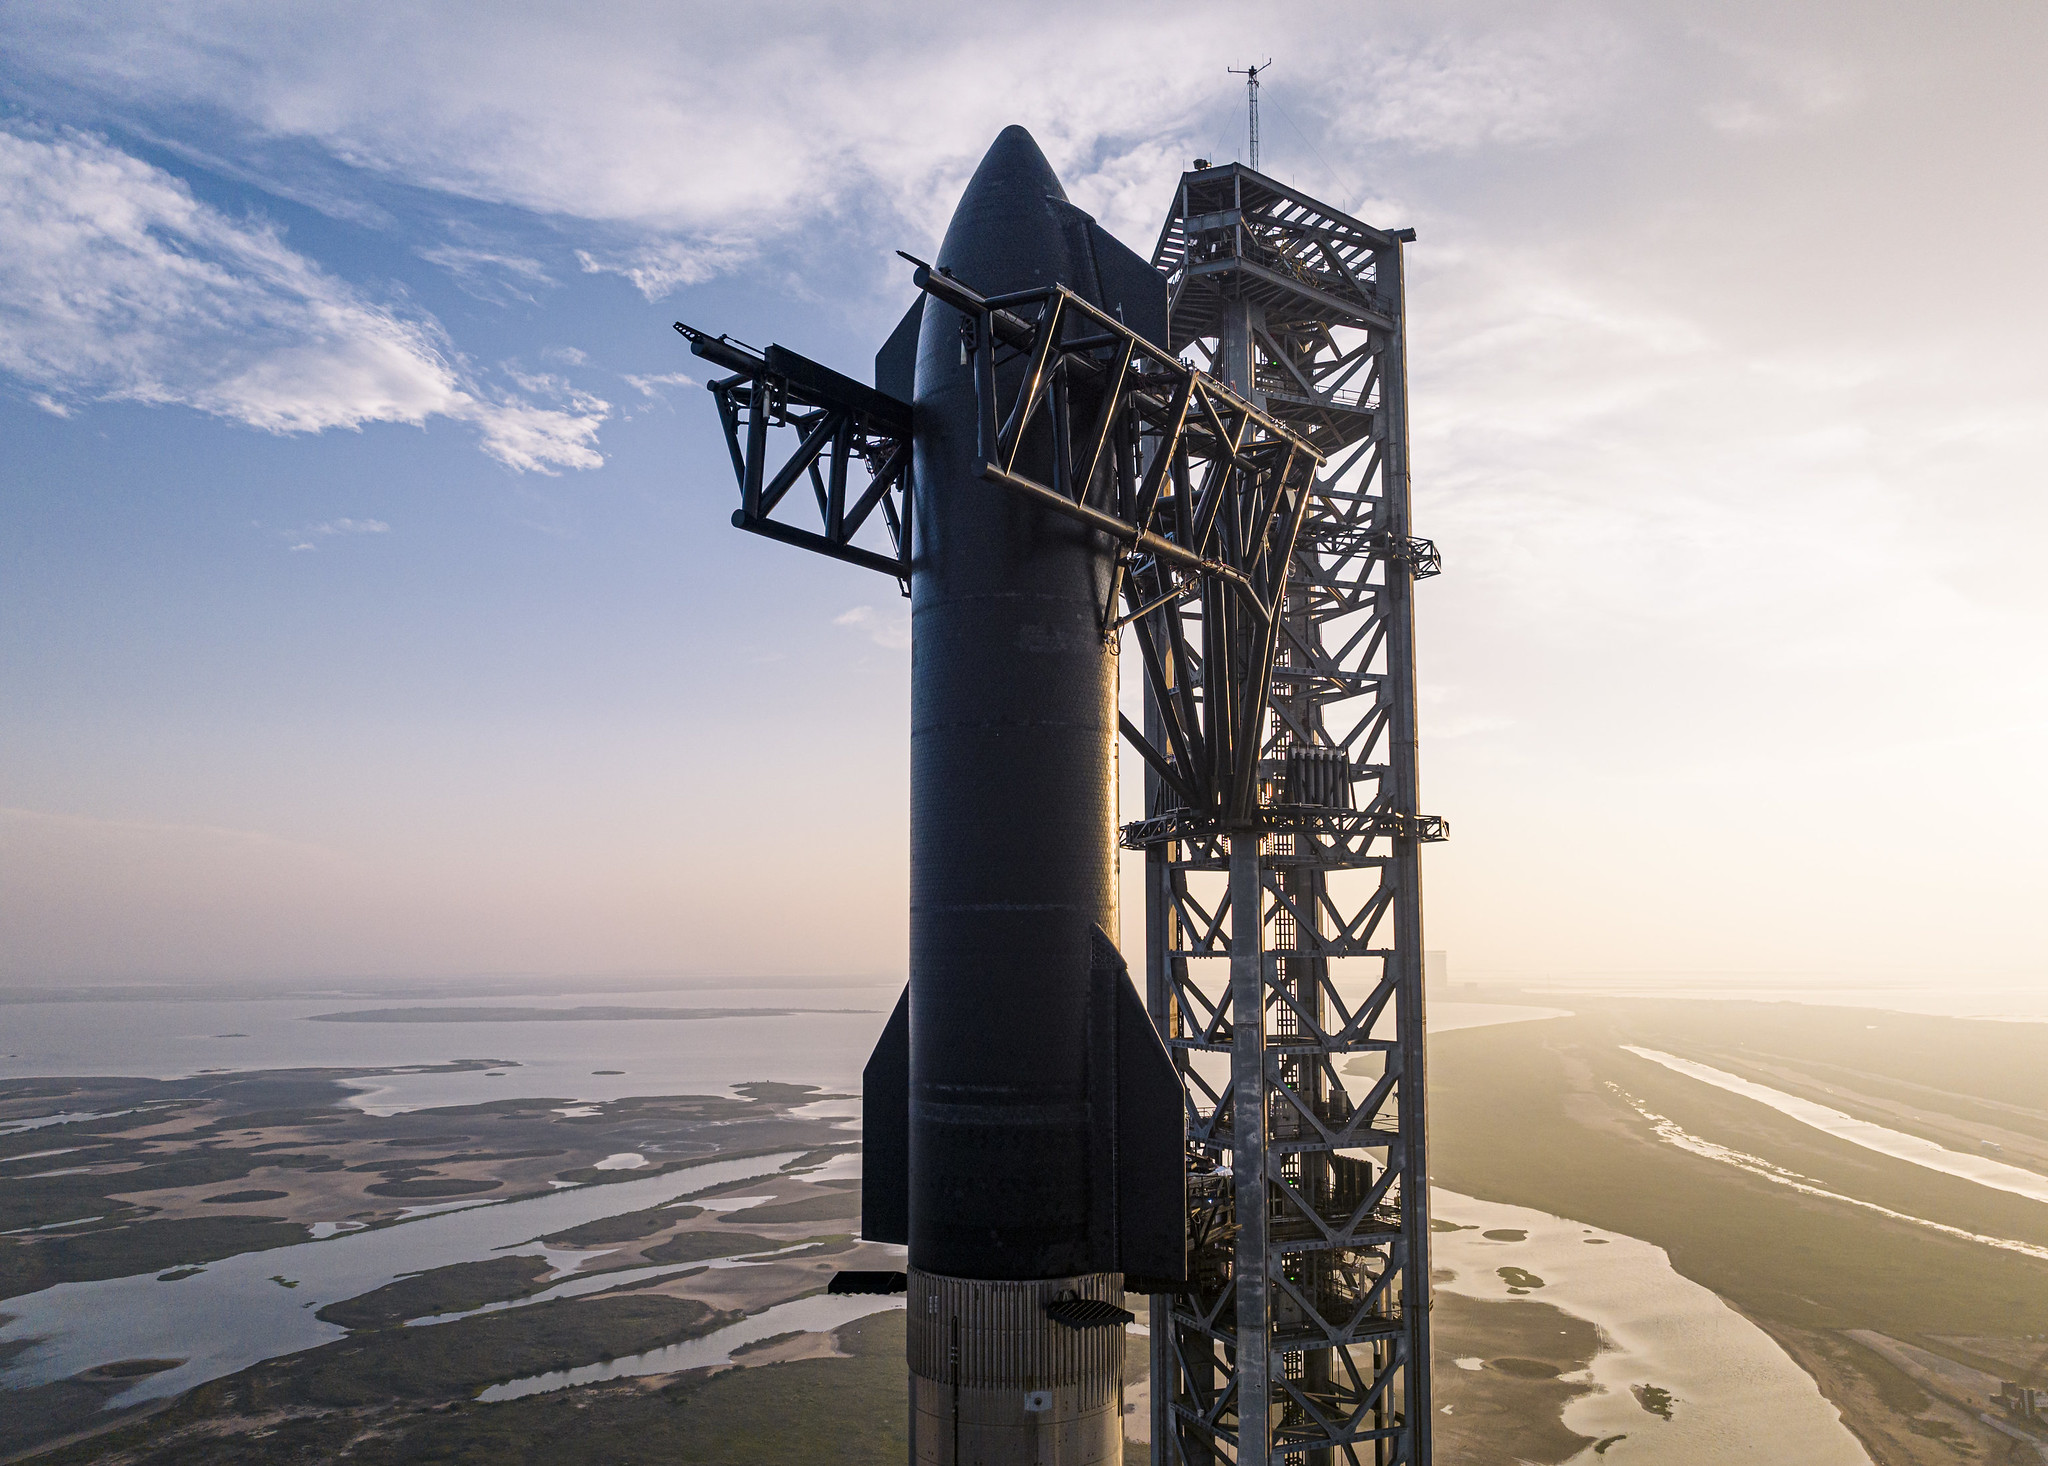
[(1049, 1115), (1058, 602), (1082, 724)]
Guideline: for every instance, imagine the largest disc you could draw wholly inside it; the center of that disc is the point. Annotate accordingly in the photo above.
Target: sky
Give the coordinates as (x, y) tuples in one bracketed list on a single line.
[(368, 601)]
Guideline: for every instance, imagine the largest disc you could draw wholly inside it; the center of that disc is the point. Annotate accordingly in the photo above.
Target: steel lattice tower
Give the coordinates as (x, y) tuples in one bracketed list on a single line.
[(1284, 957), (1253, 1154)]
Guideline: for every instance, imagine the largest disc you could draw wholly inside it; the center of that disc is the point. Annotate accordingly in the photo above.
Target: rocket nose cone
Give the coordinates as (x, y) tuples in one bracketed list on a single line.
[(1006, 234), (1013, 160)]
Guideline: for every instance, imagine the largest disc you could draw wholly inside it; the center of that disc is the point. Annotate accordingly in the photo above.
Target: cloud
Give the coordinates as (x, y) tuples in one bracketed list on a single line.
[(650, 386), (694, 134), (118, 285), (889, 629), (488, 275), (301, 541), (657, 270), (1513, 86)]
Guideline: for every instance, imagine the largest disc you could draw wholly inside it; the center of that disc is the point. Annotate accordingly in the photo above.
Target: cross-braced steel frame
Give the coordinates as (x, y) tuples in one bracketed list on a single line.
[(1272, 610), (1284, 946), (1200, 495)]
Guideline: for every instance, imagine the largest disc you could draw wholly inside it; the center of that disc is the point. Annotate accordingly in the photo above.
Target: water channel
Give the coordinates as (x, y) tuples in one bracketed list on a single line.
[(1735, 1396), (258, 1305)]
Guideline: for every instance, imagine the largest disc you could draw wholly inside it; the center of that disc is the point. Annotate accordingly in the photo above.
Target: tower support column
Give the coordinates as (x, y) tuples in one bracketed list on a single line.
[(1252, 1260)]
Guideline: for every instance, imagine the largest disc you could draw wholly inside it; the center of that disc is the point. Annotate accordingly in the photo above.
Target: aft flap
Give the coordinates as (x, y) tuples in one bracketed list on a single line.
[(896, 362), (885, 1132), (1144, 1152)]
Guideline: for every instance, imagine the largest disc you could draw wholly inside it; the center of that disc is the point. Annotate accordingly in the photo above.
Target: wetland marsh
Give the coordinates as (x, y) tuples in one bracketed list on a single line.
[(560, 1268)]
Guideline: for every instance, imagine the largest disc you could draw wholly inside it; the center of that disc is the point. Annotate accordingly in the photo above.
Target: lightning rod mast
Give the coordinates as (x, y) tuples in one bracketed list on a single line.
[(1251, 85)]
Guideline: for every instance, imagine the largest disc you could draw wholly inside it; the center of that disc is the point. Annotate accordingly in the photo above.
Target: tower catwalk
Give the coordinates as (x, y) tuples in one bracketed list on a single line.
[(1284, 954)]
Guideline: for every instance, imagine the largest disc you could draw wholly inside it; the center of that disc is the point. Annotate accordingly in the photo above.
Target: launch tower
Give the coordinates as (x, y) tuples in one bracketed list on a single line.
[(1284, 949), (1050, 477)]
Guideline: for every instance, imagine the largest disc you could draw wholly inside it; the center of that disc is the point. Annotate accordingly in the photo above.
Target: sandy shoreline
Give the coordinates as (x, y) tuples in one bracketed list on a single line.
[(1676, 1375), (1541, 1114)]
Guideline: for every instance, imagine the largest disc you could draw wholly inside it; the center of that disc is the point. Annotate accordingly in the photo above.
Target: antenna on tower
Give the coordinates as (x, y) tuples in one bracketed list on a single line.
[(1251, 86)]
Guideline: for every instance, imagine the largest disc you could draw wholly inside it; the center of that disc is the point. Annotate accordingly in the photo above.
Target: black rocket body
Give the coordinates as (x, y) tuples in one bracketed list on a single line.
[(1012, 796), (1023, 1118)]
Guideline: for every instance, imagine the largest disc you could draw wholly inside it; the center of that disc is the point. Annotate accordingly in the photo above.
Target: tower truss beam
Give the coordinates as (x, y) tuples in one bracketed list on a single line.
[(1284, 936)]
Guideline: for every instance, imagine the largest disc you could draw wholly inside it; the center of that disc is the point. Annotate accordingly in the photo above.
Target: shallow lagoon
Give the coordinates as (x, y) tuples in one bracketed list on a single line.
[(234, 1312), (1735, 1396), (172, 1038)]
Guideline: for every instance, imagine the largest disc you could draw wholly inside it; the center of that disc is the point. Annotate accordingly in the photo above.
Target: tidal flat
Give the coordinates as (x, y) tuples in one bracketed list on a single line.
[(323, 1252), (1556, 1115), (645, 1277), (1676, 1375)]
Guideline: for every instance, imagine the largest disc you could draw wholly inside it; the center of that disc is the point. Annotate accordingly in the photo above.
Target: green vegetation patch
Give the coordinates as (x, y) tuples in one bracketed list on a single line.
[(28, 1265), (592, 1176), (822, 1412), (457, 1359), (399, 1168), (30, 1150), (134, 1368), (821, 1247), (453, 1289), (768, 1343), (48, 1199), (432, 1186), (697, 1246), (776, 1093), (1654, 1399), (809, 1209), (813, 1158), (627, 1226), (236, 1198), (417, 1142)]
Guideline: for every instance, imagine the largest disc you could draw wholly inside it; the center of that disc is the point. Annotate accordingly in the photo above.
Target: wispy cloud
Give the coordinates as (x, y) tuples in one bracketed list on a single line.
[(117, 284), (659, 269), (650, 386), (889, 628), (692, 135), (303, 539), (488, 275), (1507, 85)]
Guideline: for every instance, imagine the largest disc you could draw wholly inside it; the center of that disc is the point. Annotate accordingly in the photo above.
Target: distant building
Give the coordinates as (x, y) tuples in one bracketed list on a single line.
[(2022, 1402)]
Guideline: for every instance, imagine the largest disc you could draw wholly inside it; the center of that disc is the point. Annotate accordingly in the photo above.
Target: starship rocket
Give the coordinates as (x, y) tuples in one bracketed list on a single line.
[(1023, 1119)]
